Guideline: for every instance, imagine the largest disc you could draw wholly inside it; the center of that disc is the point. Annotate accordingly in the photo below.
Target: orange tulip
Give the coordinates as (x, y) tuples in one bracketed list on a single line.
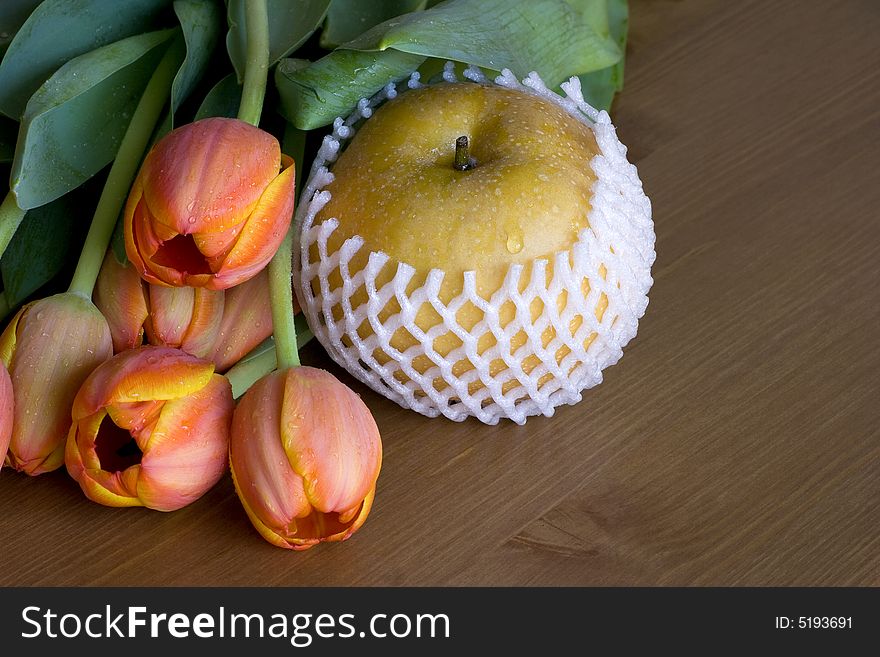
[(305, 454), (119, 295), (6, 405), (210, 205), (150, 428), (49, 348), (185, 318), (181, 317)]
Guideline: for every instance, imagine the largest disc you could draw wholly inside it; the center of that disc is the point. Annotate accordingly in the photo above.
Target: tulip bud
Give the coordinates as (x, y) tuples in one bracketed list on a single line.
[(150, 428), (119, 295), (180, 317), (6, 405), (49, 348), (247, 321), (185, 318), (305, 454), (209, 207)]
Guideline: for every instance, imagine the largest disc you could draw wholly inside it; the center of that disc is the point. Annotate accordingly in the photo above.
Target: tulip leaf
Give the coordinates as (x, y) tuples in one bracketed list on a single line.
[(608, 17), (73, 124), (8, 135), (222, 100), (13, 14), (202, 23), (347, 19), (315, 94), (58, 31), (547, 36), (291, 22), (40, 248)]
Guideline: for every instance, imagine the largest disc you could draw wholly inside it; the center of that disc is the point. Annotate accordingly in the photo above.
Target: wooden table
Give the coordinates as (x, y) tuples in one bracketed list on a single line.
[(735, 443)]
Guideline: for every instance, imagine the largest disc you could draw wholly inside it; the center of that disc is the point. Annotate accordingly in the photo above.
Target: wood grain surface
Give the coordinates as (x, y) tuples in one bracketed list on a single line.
[(736, 443)]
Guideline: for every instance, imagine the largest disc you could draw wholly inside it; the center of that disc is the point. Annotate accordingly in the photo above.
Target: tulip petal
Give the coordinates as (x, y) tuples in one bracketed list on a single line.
[(201, 174), (171, 309), (187, 450), (263, 232), (185, 318), (119, 295), (144, 374), (268, 487), (330, 438)]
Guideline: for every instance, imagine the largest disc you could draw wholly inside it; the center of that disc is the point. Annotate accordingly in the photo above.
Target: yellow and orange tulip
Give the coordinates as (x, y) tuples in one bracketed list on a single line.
[(49, 348), (305, 454), (150, 428), (6, 405), (210, 205)]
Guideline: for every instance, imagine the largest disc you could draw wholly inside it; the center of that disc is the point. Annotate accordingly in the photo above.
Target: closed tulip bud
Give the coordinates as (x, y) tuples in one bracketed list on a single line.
[(305, 454), (5, 412), (185, 318), (180, 317), (247, 321), (210, 205), (119, 295), (150, 428), (49, 348)]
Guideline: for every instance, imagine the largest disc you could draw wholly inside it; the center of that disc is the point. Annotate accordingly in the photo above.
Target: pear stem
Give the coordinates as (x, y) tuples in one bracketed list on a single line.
[(463, 159)]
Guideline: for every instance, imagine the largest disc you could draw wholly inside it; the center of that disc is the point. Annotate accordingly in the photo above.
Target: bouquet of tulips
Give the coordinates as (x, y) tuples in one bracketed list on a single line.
[(172, 350)]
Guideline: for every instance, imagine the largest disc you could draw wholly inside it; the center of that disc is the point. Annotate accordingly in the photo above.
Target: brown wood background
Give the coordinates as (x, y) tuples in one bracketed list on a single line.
[(736, 442)]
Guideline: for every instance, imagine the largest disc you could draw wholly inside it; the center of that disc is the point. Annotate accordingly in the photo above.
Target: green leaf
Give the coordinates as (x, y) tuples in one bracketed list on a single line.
[(202, 22), (609, 17), (8, 135), (346, 19), (547, 36), (40, 248), (59, 30), (73, 124), (222, 100), (291, 22), (13, 13), (312, 95)]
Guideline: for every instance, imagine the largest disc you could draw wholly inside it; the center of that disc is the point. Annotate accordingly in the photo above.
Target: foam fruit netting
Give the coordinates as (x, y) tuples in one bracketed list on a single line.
[(620, 236)]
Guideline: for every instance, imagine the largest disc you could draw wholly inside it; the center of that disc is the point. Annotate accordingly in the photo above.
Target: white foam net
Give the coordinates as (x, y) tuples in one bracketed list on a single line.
[(544, 362)]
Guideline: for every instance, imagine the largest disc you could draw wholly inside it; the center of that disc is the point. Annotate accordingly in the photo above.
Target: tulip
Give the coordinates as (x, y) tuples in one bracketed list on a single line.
[(150, 428), (185, 318), (305, 454), (6, 405), (247, 321), (49, 348), (119, 295), (181, 317), (209, 207)]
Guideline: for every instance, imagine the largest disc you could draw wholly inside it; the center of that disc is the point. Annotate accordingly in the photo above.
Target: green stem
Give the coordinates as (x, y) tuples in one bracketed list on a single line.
[(249, 370), (262, 360), (123, 171), (281, 294), (257, 63), (10, 218), (254, 90)]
